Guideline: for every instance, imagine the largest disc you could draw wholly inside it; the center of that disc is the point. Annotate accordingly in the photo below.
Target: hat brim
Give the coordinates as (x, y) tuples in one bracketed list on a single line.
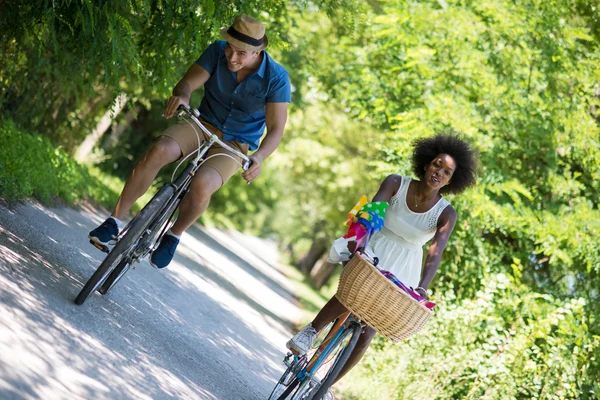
[(242, 45)]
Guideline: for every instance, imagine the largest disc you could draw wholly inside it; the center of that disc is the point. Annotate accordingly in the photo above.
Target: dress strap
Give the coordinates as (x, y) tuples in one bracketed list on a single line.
[(435, 212), (402, 190)]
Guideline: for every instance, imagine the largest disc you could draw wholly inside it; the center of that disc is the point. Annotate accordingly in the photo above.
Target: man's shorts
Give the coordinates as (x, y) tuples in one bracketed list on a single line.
[(184, 135)]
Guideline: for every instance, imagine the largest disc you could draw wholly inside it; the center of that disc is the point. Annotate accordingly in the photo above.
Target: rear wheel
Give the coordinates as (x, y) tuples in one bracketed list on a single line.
[(125, 245)]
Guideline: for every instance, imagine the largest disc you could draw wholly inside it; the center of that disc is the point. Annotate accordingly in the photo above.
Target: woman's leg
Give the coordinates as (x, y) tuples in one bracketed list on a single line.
[(328, 313)]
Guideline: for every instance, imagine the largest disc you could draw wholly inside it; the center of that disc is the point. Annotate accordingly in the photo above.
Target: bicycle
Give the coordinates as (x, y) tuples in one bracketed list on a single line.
[(144, 232), (309, 376), (371, 299)]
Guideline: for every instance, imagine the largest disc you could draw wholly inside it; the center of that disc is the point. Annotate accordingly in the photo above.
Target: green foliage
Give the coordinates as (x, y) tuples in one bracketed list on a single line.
[(31, 166), (518, 284), (69, 59), (520, 81), (507, 343)]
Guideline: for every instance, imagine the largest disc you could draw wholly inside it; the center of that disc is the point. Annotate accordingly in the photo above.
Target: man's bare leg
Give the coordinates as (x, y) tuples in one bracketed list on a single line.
[(206, 182), (163, 152)]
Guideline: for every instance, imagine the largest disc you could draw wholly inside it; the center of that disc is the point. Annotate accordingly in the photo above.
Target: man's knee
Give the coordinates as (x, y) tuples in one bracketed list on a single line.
[(206, 182), (164, 151)]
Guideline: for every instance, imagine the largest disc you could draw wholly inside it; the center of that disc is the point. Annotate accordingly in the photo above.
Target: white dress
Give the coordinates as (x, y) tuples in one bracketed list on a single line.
[(399, 245)]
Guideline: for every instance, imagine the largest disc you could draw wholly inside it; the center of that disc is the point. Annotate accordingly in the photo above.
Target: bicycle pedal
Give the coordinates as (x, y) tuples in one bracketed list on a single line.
[(100, 247)]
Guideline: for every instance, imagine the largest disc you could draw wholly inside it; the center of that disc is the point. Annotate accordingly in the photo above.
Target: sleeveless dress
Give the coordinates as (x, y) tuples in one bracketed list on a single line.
[(399, 245)]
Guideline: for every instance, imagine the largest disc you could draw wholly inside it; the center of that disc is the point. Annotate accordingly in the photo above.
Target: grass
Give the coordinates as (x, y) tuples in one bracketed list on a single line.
[(32, 167)]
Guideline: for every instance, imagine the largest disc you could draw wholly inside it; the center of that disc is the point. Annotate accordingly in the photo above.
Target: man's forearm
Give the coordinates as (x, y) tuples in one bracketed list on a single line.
[(269, 143), (182, 89)]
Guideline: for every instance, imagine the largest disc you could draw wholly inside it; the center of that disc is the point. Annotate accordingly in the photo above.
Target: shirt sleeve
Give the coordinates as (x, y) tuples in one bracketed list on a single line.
[(208, 59), (281, 90)]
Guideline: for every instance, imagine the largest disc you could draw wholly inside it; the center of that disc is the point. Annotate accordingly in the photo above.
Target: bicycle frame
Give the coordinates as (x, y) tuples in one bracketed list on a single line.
[(329, 341)]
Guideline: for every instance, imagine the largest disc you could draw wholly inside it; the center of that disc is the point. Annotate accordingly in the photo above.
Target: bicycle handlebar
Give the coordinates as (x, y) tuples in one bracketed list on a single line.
[(194, 114)]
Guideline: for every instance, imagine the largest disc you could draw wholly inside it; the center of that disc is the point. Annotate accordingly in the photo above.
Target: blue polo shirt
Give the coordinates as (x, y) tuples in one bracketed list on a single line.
[(238, 109)]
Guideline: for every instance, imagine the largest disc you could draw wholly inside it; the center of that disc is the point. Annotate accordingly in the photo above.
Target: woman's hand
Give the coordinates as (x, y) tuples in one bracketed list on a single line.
[(352, 246), (422, 292)]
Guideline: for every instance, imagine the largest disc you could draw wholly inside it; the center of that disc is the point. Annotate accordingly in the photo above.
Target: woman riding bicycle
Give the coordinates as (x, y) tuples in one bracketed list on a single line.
[(417, 213)]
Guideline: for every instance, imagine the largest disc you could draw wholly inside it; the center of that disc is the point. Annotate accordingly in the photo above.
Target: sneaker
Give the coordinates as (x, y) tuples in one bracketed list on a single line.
[(106, 233), (162, 256), (303, 340)]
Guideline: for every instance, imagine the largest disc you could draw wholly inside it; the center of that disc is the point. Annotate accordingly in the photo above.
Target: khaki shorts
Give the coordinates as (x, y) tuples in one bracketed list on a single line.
[(187, 140)]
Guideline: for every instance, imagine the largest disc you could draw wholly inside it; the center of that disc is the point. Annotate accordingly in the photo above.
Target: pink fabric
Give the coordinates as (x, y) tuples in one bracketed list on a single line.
[(407, 289)]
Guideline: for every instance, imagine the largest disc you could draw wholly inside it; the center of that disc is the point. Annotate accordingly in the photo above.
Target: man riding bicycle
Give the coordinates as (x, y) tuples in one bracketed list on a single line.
[(244, 91)]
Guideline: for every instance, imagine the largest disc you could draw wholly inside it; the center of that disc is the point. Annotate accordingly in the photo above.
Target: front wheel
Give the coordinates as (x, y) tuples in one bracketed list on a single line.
[(340, 360), (124, 246), (115, 275)]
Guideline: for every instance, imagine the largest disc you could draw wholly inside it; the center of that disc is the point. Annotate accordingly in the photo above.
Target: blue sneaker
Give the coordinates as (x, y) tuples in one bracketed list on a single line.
[(105, 234), (162, 256)]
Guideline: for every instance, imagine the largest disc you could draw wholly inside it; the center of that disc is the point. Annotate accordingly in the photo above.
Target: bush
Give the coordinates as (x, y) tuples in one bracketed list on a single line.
[(31, 166)]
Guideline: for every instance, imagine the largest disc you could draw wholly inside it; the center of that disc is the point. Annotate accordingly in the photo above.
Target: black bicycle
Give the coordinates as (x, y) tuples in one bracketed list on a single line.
[(144, 232)]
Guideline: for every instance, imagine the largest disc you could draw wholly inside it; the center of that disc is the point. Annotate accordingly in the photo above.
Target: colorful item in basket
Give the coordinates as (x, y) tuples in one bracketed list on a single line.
[(357, 207), (363, 220), (407, 289)]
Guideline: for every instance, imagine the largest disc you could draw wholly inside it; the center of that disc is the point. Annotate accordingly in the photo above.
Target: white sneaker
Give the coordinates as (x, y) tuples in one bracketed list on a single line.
[(303, 340)]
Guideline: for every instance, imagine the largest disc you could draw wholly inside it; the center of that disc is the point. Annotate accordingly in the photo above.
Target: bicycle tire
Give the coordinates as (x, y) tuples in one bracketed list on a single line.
[(339, 362), (115, 276), (134, 230), (305, 390), (122, 268)]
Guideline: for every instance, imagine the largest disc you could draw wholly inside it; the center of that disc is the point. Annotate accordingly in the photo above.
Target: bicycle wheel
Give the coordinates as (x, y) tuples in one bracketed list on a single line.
[(323, 364), (342, 357), (289, 380), (152, 235), (124, 246), (115, 276)]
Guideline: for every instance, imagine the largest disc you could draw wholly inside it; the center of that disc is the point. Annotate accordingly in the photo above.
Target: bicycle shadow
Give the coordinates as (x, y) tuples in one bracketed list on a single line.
[(189, 332)]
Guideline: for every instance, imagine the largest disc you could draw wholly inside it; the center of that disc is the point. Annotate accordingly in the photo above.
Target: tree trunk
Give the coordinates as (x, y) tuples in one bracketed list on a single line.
[(317, 249), (119, 128), (322, 272), (90, 141)]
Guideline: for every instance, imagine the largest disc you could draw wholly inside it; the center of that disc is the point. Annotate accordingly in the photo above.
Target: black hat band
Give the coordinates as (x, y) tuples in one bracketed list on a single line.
[(245, 38)]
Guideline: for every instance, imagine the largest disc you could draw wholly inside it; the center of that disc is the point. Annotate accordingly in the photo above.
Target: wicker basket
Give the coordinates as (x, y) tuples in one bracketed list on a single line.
[(379, 302)]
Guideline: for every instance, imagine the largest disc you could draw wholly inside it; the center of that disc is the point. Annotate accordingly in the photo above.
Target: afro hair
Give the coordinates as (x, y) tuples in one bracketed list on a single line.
[(447, 142)]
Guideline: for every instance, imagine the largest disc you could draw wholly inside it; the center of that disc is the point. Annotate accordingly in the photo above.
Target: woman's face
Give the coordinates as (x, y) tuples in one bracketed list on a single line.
[(438, 172)]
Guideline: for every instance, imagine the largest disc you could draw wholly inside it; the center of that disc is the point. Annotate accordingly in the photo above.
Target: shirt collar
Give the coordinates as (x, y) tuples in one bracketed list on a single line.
[(263, 65)]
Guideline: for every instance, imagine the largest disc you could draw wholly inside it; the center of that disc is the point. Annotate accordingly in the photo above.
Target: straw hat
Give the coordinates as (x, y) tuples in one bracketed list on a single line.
[(246, 33)]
